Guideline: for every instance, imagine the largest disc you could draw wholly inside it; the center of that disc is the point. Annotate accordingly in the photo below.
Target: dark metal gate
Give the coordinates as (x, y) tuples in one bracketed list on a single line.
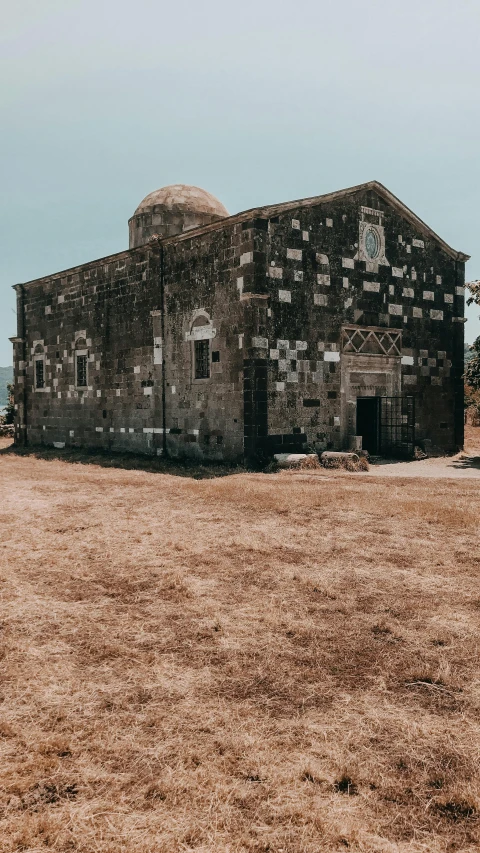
[(397, 426)]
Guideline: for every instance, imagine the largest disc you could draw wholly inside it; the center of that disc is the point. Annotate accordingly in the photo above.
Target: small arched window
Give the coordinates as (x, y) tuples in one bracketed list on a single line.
[(39, 367), (81, 363), (201, 333)]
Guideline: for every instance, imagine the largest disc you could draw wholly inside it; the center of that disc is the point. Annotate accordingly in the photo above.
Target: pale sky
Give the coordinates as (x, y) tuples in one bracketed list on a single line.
[(263, 101)]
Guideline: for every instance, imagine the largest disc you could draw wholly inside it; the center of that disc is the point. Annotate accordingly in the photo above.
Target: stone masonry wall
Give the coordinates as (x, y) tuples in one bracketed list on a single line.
[(114, 308), (106, 304), (272, 293), (204, 277), (317, 284)]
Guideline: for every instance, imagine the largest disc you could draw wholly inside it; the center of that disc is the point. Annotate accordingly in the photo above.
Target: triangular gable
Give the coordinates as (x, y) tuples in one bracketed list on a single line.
[(276, 209)]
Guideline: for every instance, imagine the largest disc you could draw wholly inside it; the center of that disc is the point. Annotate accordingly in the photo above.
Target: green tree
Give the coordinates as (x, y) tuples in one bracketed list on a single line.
[(472, 369), (10, 407)]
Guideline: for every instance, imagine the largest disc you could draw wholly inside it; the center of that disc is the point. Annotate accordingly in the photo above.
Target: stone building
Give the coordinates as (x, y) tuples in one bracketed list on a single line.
[(220, 337)]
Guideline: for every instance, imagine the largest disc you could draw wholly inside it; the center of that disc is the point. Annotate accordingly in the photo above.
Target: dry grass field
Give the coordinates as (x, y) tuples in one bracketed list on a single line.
[(250, 663)]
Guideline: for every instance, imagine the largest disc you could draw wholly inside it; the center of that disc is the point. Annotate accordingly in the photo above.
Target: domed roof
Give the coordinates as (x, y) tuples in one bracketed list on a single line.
[(183, 198)]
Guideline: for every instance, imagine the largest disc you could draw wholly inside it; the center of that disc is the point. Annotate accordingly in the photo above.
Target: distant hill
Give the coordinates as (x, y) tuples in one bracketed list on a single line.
[(6, 376)]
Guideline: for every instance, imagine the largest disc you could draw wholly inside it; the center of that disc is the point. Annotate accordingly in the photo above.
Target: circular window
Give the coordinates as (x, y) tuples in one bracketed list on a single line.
[(372, 243)]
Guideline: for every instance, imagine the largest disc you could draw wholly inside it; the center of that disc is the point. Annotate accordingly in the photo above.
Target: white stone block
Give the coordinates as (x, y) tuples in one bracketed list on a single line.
[(320, 299), (301, 345), (417, 312), (298, 275), (274, 354), (246, 258), (61, 300), (284, 296), (448, 297), (305, 235), (407, 359), (438, 279), (136, 369), (408, 292), (329, 223), (174, 389), (275, 272), (323, 279), (332, 356), (391, 289), (98, 429), (413, 274), (322, 259), (283, 365), (281, 344), (280, 386), (435, 314), (294, 254), (348, 263), (459, 291), (260, 343), (296, 224), (428, 295), (345, 283), (419, 244), (396, 310), (371, 286), (148, 391), (397, 272)]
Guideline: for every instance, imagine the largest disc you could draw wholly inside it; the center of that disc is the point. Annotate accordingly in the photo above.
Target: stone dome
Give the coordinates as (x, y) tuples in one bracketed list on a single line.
[(173, 210)]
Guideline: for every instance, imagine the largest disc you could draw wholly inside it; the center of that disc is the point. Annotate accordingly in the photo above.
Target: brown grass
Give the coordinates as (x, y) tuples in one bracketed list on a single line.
[(248, 663)]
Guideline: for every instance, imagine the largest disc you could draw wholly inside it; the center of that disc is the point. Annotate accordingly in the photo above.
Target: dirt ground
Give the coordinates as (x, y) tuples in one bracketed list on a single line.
[(463, 465), (248, 663)]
